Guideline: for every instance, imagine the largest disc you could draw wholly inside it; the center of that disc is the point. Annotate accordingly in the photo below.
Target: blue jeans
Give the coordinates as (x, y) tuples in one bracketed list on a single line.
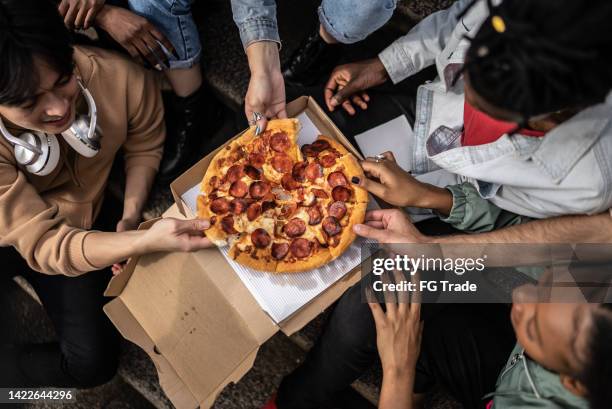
[(173, 18), (350, 21)]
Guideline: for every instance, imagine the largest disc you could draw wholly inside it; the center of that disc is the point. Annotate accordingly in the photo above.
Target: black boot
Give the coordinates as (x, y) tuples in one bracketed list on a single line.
[(313, 59), (189, 121)]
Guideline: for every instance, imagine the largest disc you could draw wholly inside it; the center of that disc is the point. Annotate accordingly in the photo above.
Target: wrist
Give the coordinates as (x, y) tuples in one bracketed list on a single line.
[(103, 16), (263, 58), (399, 374), (379, 69), (433, 197)]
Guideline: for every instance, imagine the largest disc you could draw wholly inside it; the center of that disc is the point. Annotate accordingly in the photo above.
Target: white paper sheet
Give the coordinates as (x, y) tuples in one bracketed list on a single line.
[(395, 136), (281, 295)]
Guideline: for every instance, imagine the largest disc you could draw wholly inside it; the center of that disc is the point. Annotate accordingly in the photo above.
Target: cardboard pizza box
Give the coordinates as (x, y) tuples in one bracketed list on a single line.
[(191, 313)]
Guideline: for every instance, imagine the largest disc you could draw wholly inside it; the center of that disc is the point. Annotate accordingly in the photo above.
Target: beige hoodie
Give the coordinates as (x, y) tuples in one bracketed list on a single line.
[(46, 218)]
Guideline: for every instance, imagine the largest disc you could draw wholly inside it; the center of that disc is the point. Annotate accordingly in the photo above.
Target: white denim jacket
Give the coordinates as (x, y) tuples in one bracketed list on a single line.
[(568, 171)]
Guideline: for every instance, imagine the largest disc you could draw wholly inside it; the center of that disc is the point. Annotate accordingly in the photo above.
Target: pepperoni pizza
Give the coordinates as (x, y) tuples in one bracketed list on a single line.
[(281, 208)]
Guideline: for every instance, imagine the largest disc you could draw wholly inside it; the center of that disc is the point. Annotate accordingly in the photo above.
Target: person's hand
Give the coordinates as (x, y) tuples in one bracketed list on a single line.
[(125, 224), (347, 84), (175, 235), (389, 226), (398, 334), (141, 39), (266, 92), (388, 181), (79, 14)]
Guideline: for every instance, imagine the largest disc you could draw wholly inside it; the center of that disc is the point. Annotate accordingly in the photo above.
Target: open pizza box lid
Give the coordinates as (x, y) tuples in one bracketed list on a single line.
[(191, 313)]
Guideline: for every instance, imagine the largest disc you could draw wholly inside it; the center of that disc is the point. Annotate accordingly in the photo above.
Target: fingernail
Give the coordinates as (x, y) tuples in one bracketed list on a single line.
[(358, 228), (257, 130), (355, 180), (334, 102)]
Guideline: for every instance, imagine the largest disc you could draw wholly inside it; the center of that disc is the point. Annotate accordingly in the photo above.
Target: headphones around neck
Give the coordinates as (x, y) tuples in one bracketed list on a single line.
[(40, 152)]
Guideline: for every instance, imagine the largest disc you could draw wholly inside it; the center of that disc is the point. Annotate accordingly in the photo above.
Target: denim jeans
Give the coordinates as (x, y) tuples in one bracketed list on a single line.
[(173, 18), (350, 21)]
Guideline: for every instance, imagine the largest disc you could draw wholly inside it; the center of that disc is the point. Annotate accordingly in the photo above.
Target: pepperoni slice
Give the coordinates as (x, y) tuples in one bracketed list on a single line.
[(295, 227), (341, 193), (308, 150), (327, 161), (260, 238), (257, 160), (227, 224), (314, 215), (282, 163), (331, 226), (238, 189), (237, 154), (234, 173), (337, 210), (252, 172), (253, 211), (259, 189), (280, 142), (219, 206), (322, 194), (313, 171), (299, 171), (238, 206), (288, 209), (337, 179), (214, 182), (300, 248), (320, 145), (280, 250), (289, 183)]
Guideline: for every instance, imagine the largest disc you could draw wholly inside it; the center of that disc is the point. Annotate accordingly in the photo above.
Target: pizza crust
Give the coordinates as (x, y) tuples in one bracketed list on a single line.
[(322, 257)]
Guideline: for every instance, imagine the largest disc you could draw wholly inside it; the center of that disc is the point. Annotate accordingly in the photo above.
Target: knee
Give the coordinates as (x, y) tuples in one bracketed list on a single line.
[(351, 325), (350, 21), (92, 365)]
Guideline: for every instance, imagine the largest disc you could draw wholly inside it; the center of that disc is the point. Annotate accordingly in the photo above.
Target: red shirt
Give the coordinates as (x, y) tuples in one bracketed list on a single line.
[(480, 129)]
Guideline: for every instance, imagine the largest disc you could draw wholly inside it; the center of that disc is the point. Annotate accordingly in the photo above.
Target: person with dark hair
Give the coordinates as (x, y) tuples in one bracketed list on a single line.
[(519, 113), (561, 359), (163, 36), (65, 113)]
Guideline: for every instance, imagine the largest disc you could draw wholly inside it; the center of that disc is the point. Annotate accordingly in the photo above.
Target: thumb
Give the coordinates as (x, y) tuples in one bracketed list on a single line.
[(193, 226), (344, 93)]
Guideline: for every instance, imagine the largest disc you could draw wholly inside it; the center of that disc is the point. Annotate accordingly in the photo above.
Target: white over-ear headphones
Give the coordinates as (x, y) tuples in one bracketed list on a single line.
[(39, 152)]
